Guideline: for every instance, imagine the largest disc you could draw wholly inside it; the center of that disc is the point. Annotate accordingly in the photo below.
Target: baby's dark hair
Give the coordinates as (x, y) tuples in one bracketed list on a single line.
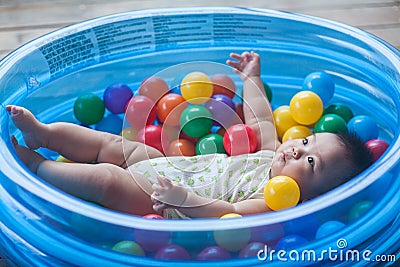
[(357, 153)]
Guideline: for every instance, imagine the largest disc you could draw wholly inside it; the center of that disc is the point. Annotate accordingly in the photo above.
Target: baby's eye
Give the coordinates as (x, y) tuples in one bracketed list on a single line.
[(305, 141), (311, 161)]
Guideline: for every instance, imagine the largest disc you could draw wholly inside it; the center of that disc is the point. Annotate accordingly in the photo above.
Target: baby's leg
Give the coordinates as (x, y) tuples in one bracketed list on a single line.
[(77, 143), (106, 184)]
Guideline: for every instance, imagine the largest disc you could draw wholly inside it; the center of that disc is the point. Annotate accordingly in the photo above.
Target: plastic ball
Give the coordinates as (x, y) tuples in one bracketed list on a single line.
[(153, 136), (63, 159), (240, 139), (331, 123), (364, 127), (329, 228), (210, 144), (170, 108), (190, 240), (152, 240), (154, 88), (281, 192), (268, 91), (116, 96), (172, 252), (153, 216), (129, 133), (222, 109), (89, 109), (296, 132), (377, 148), (181, 147), (306, 107), (251, 250), (232, 239), (341, 110), (231, 216), (269, 234), (110, 124), (291, 242), (140, 111), (196, 121), (320, 83), (307, 225), (196, 88), (223, 85), (359, 209), (214, 253), (128, 247), (283, 120)]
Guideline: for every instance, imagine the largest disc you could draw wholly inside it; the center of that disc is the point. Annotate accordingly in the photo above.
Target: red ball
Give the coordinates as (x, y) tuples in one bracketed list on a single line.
[(240, 139), (140, 111), (153, 136), (377, 148)]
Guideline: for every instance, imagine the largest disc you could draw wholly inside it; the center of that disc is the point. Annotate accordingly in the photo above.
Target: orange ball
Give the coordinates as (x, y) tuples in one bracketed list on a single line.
[(154, 88), (223, 85), (181, 147), (170, 108)]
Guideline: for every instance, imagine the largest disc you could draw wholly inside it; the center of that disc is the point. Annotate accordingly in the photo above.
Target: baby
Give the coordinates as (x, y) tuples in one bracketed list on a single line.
[(134, 178)]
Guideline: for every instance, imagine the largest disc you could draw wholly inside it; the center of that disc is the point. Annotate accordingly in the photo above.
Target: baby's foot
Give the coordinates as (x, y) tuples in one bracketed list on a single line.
[(30, 158), (28, 124)]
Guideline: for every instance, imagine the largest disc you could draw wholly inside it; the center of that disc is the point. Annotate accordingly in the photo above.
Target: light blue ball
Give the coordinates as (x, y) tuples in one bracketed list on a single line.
[(364, 127), (320, 83)]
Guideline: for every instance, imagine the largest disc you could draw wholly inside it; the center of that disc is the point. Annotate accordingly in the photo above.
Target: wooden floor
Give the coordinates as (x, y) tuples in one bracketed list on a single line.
[(24, 20)]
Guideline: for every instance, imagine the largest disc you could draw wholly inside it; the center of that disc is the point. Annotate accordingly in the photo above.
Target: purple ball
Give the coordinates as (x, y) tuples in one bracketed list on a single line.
[(222, 109), (172, 252), (213, 253), (116, 97)]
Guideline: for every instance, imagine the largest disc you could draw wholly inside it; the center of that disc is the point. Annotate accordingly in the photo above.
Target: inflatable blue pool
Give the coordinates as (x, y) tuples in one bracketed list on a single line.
[(43, 226)]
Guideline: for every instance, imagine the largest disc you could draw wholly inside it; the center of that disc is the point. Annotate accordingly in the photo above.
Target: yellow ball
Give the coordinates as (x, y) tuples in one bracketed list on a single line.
[(129, 133), (63, 159), (283, 120), (296, 132), (306, 107), (281, 192), (196, 88), (230, 216)]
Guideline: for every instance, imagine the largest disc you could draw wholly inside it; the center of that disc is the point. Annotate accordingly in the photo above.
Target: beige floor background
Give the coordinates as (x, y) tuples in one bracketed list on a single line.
[(24, 20)]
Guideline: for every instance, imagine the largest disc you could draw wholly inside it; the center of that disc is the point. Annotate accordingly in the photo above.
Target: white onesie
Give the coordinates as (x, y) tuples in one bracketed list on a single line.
[(215, 176)]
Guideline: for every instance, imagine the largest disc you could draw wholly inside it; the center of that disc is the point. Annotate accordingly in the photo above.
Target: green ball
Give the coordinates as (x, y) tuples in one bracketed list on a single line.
[(128, 247), (210, 144), (196, 121), (341, 110), (268, 91), (89, 109), (359, 209), (331, 123)]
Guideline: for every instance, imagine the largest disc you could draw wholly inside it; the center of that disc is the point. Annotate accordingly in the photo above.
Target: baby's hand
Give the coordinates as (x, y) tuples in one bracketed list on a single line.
[(166, 194), (247, 64)]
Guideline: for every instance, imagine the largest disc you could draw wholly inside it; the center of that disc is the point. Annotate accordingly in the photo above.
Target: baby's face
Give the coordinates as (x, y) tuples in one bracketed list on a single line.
[(314, 162)]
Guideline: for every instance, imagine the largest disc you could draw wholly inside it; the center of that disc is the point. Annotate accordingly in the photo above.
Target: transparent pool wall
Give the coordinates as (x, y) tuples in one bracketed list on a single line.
[(41, 226)]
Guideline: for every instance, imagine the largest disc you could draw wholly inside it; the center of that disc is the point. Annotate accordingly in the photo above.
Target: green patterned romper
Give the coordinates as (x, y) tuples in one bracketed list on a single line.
[(215, 176)]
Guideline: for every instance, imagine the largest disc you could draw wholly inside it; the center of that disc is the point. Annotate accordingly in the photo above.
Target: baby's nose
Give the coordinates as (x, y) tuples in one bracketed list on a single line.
[(296, 152)]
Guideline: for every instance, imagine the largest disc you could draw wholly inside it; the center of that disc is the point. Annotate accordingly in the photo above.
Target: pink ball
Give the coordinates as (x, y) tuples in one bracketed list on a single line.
[(214, 253), (377, 148), (140, 111), (154, 88), (153, 216), (172, 252), (153, 136), (240, 139)]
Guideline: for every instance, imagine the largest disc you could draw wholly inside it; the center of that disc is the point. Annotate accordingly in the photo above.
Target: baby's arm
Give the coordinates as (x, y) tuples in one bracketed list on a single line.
[(166, 194), (256, 107)]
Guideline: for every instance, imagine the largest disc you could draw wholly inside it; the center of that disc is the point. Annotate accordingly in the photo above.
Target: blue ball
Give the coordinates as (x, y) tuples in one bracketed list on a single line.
[(320, 83), (116, 97), (328, 228), (110, 124), (364, 127), (290, 242)]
